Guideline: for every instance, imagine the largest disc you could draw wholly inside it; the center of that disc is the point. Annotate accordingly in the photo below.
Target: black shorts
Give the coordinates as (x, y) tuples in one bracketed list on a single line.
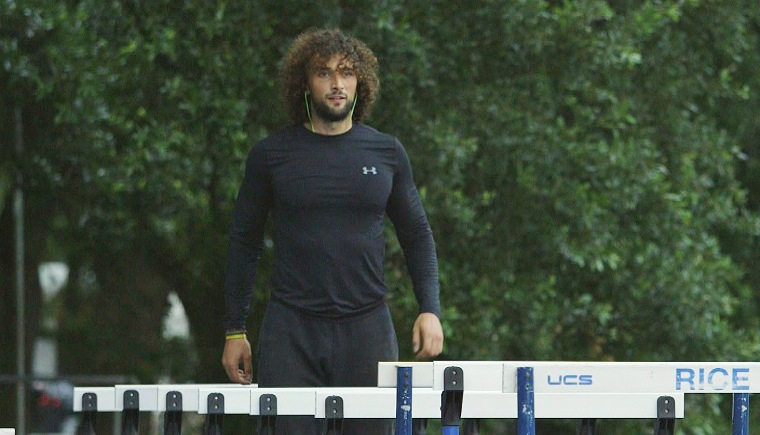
[(298, 350)]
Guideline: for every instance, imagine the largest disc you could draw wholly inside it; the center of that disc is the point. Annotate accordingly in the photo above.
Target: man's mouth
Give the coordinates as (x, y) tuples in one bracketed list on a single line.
[(337, 98)]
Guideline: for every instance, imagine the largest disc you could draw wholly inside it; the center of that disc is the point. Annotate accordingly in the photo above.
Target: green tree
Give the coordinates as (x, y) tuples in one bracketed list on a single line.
[(589, 169)]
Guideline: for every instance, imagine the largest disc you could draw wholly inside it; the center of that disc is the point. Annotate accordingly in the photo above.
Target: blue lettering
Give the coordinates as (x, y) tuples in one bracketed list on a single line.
[(736, 378), (570, 380), (713, 372), (684, 375), (715, 379), (587, 380)]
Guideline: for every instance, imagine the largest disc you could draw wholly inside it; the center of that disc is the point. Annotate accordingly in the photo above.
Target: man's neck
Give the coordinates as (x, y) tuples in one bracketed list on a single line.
[(329, 128)]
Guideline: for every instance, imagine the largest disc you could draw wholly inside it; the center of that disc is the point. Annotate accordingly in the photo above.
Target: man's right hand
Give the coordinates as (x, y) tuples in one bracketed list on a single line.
[(238, 351)]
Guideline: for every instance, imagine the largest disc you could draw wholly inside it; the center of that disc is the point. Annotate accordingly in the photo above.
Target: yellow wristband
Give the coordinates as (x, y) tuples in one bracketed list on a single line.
[(235, 337)]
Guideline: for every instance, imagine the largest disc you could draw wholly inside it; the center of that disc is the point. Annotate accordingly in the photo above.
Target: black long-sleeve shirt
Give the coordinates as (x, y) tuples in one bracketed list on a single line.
[(328, 197)]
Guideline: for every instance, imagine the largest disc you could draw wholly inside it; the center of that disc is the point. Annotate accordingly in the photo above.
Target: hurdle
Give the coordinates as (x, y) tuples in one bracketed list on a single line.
[(130, 400), (450, 391)]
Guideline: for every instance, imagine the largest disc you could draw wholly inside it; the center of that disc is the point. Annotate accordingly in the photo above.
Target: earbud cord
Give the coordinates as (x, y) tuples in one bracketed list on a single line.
[(351, 115), (308, 111)]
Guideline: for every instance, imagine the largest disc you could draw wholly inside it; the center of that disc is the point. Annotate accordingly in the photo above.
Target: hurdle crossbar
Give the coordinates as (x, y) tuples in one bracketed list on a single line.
[(484, 389)]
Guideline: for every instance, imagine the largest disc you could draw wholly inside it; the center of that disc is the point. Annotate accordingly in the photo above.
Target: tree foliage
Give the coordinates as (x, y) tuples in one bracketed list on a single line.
[(589, 169)]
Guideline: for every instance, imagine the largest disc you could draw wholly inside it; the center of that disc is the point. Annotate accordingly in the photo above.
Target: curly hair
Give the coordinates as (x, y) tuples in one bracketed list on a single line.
[(317, 44)]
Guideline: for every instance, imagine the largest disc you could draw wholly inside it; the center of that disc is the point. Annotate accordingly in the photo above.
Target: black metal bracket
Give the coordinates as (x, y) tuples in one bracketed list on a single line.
[(130, 421), (451, 397), (89, 414), (89, 402), (173, 414), (214, 414), (333, 415), (666, 416), (267, 414)]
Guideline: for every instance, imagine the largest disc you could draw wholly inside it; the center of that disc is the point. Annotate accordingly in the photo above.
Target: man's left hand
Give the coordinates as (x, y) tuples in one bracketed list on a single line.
[(427, 336)]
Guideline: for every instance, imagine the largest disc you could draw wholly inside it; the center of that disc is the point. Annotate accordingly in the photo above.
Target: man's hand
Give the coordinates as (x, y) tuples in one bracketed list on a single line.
[(238, 351), (428, 334)]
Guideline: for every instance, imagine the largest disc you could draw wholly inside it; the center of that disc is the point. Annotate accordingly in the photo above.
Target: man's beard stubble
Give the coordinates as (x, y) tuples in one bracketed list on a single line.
[(326, 113)]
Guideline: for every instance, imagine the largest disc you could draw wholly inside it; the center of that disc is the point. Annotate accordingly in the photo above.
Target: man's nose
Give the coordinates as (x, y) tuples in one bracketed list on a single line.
[(336, 81)]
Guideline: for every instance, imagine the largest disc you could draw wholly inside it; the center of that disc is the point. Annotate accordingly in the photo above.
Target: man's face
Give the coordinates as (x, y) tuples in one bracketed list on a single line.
[(332, 87)]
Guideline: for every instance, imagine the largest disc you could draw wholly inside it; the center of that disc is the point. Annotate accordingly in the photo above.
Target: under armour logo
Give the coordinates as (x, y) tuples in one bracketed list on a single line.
[(372, 170)]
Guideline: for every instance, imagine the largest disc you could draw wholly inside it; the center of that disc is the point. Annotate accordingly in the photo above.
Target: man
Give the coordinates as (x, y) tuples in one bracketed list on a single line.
[(328, 182)]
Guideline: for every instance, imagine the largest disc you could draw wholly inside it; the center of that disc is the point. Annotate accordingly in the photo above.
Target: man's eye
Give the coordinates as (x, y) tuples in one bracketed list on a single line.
[(348, 72)]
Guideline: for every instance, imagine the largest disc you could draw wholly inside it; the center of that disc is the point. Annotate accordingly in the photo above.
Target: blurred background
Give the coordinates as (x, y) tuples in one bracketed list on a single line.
[(591, 171)]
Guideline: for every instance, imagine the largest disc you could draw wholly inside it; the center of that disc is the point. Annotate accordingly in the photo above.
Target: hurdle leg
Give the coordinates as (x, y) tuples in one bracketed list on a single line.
[(740, 418), (666, 416), (89, 414), (215, 407), (526, 418), (334, 426), (87, 425), (130, 422), (404, 401), (267, 425), (173, 414), (267, 414), (419, 426), (172, 423), (334, 415), (471, 426), (451, 400), (213, 424), (587, 426)]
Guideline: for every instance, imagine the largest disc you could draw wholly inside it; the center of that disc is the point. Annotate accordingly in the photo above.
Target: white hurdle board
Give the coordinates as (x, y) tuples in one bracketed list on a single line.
[(147, 396), (561, 389), (152, 397), (290, 401), (236, 400), (371, 402), (190, 394), (632, 377), (600, 405), (590, 377)]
